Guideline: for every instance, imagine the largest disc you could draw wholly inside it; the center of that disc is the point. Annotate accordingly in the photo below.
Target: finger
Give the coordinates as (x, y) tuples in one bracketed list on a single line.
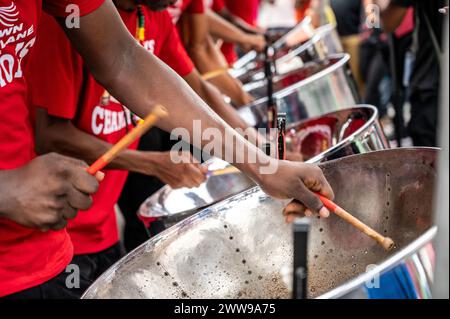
[(69, 212), (309, 213), (83, 181), (61, 225), (324, 212), (197, 176), (290, 219), (77, 200), (294, 208), (100, 176), (308, 198), (325, 187), (204, 170)]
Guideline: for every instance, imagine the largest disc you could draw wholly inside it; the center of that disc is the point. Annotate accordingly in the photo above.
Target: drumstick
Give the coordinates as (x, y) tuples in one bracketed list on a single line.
[(224, 171), (386, 242), (211, 75), (158, 112)]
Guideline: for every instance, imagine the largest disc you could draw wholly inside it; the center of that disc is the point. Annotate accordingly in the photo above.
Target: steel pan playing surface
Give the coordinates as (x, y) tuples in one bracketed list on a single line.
[(240, 248)]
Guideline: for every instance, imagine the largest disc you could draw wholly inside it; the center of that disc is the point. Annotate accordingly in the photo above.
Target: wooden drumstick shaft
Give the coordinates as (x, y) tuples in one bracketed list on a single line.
[(386, 242), (158, 112), (213, 74)]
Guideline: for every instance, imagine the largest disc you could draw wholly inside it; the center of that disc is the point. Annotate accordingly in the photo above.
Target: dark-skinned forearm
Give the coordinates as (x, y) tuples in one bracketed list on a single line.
[(214, 98), (238, 22), (222, 29), (63, 137), (140, 81)]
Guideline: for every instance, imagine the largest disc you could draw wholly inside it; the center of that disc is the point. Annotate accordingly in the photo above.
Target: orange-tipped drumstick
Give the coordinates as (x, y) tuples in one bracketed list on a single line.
[(158, 112), (386, 242)]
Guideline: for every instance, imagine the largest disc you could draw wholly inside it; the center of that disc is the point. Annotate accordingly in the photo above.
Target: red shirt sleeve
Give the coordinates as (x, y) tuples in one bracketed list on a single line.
[(56, 72), (173, 52), (57, 8), (218, 5), (196, 7)]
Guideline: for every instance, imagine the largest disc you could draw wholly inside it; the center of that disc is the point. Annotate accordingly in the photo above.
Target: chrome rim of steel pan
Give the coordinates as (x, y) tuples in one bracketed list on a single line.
[(252, 55), (241, 247), (311, 70), (329, 90), (350, 131), (325, 41), (173, 205), (338, 134)]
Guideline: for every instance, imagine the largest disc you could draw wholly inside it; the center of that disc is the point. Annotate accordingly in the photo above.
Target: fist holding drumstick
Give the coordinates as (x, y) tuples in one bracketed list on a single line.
[(47, 192)]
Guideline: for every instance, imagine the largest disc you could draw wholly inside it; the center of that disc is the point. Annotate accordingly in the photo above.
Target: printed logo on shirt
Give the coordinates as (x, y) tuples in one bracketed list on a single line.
[(149, 45), (16, 40), (9, 15), (175, 11), (105, 121)]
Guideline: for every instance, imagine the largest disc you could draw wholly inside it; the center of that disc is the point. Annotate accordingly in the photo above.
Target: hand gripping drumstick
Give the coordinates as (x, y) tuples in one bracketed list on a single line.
[(158, 112), (385, 242)]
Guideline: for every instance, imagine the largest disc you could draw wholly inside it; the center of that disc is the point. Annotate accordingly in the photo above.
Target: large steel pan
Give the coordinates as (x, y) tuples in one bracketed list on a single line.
[(346, 132), (330, 89), (241, 248), (323, 42)]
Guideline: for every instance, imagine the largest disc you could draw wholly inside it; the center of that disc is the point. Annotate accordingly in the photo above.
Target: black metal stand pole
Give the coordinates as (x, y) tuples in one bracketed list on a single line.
[(301, 232)]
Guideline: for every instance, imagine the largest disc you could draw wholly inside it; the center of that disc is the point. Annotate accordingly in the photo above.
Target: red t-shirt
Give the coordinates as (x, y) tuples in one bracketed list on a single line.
[(188, 6), (28, 257), (62, 85), (246, 10)]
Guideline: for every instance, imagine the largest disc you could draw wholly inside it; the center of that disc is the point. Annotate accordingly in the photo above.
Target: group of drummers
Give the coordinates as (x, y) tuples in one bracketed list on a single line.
[(64, 67)]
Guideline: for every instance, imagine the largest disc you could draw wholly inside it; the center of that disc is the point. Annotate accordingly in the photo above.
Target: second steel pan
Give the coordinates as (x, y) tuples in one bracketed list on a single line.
[(321, 42), (330, 89), (241, 247), (338, 134)]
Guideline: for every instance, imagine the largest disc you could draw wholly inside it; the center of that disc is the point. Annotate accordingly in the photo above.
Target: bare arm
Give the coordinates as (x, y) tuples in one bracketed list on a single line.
[(212, 96), (240, 23), (208, 58), (392, 17), (222, 29), (140, 80)]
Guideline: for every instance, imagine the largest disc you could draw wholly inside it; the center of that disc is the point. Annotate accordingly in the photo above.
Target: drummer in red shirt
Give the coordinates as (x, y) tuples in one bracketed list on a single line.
[(231, 29), (77, 117), (194, 26), (37, 194), (235, 10), (44, 193)]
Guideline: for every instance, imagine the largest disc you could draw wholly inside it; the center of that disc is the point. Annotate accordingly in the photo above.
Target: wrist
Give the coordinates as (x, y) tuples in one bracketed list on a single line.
[(146, 162), (259, 170), (243, 39), (6, 181)]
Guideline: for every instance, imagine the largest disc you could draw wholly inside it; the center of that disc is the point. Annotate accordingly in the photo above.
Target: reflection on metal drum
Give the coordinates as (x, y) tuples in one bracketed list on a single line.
[(241, 247)]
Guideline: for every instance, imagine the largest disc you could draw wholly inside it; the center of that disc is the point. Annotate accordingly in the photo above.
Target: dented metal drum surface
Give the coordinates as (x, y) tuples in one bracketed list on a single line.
[(301, 95), (241, 247), (351, 131), (321, 43)]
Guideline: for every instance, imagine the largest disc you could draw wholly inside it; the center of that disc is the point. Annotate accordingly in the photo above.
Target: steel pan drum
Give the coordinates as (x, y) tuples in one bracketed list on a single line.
[(338, 134), (241, 248), (328, 90), (173, 205), (324, 41), (313, 69)]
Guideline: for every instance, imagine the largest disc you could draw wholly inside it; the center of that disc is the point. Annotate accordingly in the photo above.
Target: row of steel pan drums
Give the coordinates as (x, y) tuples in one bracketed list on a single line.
[(228, 239)]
